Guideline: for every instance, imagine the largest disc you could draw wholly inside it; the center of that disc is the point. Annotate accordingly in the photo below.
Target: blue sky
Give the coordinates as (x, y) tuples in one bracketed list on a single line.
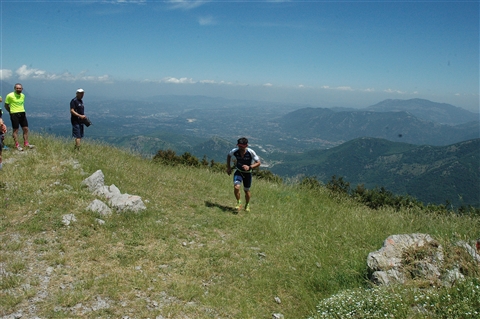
[(322, 53)]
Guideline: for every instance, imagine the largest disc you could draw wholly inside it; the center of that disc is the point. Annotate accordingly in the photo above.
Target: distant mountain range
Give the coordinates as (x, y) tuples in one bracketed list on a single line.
[(441, 113), (375, 146), (430, 174), (398, 126)]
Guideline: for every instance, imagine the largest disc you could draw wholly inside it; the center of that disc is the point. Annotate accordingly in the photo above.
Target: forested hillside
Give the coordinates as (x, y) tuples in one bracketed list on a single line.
[(432, 174)]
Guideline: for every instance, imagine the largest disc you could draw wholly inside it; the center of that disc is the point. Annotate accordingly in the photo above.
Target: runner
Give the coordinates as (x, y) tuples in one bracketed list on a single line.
[(246, 159)]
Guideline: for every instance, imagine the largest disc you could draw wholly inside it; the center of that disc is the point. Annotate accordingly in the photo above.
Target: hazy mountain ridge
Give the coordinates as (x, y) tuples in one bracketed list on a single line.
[(433, 174), (278, 127), (398, 126), (442, 113), (278, 132)]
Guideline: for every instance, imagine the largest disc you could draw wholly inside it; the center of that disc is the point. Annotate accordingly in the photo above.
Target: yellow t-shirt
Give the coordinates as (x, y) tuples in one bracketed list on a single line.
[(16, 102)]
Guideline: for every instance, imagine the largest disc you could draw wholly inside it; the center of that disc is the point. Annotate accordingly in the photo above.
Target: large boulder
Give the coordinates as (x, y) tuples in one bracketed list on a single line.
[(126, 202), (120, 202), (403, 257)]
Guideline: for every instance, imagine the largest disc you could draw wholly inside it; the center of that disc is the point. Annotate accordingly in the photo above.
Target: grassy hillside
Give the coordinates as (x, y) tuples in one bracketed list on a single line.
[(188, 255)]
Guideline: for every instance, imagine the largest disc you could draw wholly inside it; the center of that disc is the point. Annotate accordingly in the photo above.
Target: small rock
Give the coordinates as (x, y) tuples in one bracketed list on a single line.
[(69, 218), (100, 207), (49, 271), (95, 181)]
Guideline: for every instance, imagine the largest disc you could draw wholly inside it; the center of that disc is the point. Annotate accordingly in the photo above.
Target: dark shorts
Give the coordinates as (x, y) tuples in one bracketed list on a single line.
[(18, 119), (245, 178), (77, 130), (2, 138)]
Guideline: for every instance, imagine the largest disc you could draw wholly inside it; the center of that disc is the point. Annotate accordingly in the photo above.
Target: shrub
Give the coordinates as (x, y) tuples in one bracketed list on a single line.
[(267, 175), (338, 185), (310, 183), (167, 157), (188, 159)]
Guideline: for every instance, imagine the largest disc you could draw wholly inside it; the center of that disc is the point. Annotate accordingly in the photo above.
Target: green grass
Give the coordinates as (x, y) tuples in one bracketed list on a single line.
[(188, 255)]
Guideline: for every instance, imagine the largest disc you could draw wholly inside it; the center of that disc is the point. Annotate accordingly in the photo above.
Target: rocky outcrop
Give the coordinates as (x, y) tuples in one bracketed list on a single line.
[(118, 201), (414, 257)]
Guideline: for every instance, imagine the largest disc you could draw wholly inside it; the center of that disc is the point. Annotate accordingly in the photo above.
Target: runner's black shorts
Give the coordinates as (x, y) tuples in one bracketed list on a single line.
[(240, 177), (18, 119)]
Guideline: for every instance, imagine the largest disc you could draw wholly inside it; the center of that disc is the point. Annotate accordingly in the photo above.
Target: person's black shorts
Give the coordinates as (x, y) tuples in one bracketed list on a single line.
[(240, 177), (2, 138), (77, 130), (18, 119)]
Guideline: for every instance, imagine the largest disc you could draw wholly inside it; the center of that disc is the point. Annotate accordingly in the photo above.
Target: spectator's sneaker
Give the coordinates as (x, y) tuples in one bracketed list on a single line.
[(18, 148), (5, 147), (239, 205), (28, 145), (247, 207)]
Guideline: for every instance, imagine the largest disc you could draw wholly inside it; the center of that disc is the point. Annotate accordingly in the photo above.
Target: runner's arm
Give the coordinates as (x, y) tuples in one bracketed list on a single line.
[(256, 164), (256, 160)]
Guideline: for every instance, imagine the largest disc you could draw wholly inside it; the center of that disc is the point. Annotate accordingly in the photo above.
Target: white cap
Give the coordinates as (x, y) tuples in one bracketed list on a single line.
[(80, 91)]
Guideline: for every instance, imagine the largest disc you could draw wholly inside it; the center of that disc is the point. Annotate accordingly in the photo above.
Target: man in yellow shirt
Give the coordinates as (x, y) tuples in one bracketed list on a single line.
[(15, 105)]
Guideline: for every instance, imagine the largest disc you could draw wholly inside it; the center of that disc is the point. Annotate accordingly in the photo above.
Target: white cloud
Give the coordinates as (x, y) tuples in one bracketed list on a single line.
[(208, 81), (206, 21), (268, 84), (25, 73), (338, 88), (394, 91), (5, 74), (125, 1), (186, 4), (178, 81)]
